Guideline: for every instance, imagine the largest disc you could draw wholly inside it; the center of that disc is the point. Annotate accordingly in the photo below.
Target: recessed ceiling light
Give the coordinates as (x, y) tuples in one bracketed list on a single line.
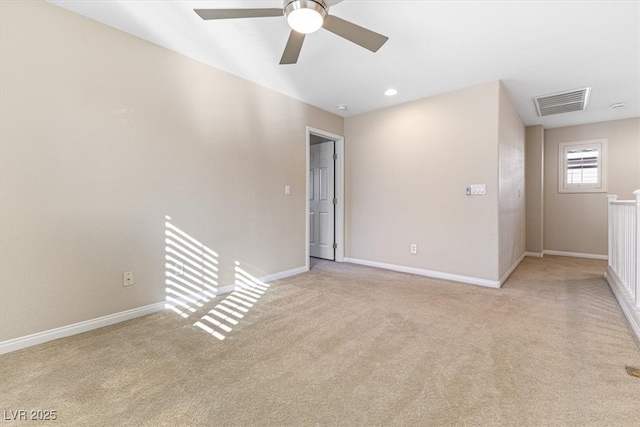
[(618, 105), (391, 92), (342, 107)]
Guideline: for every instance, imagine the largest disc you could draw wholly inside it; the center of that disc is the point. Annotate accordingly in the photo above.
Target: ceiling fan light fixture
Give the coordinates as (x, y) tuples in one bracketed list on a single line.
[(305, 16)]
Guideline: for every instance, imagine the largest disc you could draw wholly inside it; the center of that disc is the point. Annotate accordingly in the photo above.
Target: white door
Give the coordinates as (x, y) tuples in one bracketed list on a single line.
[(321, 201)]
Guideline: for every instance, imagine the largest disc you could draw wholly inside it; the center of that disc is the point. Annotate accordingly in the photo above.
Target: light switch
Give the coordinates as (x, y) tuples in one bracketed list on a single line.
[(287, 190)]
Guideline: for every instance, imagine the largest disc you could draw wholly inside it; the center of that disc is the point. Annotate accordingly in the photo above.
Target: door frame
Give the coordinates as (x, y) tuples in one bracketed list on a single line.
[(339, 192)]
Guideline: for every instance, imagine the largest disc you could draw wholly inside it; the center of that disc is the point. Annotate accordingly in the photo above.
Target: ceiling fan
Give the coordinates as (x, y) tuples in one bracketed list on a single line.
[(304, 17)]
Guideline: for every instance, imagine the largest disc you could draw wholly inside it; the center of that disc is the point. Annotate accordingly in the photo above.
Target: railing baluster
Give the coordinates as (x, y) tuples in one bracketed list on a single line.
[(624, 244), (623, 265), (612, 231)]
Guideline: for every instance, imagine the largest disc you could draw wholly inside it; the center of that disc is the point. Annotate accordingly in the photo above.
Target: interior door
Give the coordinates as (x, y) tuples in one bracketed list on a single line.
[(321, 195)]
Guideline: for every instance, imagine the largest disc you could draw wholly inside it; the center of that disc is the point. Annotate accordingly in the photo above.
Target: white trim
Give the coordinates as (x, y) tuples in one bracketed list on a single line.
[(221, 291), (601, 185), (307, 204), (575, 254), (534, 254), (110, 319), (283, 274), (339, 192), (511, 270), (339, 184), (78, 328), (265, 279), (632, 314), (427, 273)]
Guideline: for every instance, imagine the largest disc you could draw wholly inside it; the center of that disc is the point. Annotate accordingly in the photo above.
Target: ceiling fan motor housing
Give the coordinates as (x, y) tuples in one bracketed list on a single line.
[(316, 5), (314, 10)]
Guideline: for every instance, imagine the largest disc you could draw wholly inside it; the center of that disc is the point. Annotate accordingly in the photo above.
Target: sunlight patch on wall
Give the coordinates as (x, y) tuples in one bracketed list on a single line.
[(191, 271)]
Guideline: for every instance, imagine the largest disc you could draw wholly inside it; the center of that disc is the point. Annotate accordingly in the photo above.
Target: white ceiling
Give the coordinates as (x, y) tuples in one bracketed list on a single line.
[(534, 47)]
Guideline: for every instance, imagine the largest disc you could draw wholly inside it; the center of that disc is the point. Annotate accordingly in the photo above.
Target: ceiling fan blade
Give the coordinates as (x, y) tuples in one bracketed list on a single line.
[(332, 2), (236, 13), (293, 48), (354, 33)]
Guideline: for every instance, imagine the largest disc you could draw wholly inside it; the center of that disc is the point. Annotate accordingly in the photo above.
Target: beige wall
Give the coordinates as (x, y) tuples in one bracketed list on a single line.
[(407, 168), (534, 191), (578, 222), (511, 198), (103, 135)]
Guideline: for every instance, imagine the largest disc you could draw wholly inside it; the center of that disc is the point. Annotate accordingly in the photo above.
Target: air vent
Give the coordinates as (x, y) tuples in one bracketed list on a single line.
[(563, 102)]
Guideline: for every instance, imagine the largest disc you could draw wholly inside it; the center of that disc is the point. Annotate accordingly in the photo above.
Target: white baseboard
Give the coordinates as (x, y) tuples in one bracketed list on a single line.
[(283, 274), (511, 270), (77, 328), (534, 254), (632, 313), (88, 325), (427, 273), (225, 290), (265, 279), (575, 254)]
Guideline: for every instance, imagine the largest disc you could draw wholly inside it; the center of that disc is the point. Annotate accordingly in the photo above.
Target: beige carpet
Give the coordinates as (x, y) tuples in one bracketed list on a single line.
[(356, 346)]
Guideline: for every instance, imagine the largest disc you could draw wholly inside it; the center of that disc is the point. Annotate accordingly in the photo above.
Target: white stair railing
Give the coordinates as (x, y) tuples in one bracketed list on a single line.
[(623, 270)]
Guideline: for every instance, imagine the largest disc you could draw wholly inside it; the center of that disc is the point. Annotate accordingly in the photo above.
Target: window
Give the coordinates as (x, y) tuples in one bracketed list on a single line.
[(581, 166)]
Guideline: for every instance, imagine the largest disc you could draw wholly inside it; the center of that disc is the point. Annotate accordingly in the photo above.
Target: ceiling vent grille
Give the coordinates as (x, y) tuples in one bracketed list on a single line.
[(563, 102)]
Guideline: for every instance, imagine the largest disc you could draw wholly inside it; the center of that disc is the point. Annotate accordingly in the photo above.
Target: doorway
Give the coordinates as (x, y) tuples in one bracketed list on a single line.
[(322, 201), (325, 196)]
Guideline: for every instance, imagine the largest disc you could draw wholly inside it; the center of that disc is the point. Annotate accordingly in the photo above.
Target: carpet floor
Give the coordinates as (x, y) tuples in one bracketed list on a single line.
[(355, 346)]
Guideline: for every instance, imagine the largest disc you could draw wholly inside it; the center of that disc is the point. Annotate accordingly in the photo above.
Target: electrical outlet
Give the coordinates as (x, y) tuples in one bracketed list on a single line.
[(414, 248), (178, 268), (476, 189), (127, 278)]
